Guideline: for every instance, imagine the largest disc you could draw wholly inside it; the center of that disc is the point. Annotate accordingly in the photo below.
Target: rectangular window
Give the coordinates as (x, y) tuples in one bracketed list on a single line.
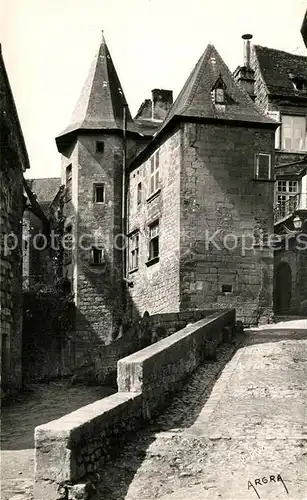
[(294, 137), (99, 146), (286, 196), (263, 166), (139, 194), (99, 193), (97, 255), (134, 251), (154, 240), (68, 182), (226, 288), (154, 173)]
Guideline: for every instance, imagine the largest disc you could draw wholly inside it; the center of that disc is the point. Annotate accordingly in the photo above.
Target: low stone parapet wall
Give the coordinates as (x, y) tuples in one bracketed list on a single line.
[(158, 370), (69, 451)]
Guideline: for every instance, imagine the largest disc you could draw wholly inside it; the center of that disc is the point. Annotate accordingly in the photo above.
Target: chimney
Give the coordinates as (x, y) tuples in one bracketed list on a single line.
[(162, 100), (245, 74), (247, 50)]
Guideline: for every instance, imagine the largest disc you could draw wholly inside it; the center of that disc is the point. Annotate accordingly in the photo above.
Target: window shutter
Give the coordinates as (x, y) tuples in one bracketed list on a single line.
[(275, 115)]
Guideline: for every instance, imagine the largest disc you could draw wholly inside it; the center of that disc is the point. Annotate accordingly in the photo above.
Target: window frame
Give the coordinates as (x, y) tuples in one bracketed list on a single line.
[(98, 145), (139, 194), (68, 182), (101, 253), (97, 186), (134, 251), (269, 176), (292, 149), (154, 179), (154, 256), (282, 196)]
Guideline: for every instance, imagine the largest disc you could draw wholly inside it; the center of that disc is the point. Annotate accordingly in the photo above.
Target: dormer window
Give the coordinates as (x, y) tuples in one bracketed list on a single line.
[(299, 82), (218, 91)]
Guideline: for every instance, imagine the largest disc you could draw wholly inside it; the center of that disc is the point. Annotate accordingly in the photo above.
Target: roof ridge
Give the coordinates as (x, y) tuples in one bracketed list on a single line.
[(280, 50)]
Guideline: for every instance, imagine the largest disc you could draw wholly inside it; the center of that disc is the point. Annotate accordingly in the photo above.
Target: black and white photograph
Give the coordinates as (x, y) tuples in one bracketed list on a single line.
[(153, 249)]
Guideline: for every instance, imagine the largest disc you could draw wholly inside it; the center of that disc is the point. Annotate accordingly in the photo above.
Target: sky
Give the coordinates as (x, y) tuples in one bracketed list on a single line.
[(48, 47)]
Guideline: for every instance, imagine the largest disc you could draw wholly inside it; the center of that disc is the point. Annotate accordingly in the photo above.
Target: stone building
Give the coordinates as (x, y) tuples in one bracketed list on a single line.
[(14, 161), (199, 192), (144, 196), (39, 259), (280, 89)]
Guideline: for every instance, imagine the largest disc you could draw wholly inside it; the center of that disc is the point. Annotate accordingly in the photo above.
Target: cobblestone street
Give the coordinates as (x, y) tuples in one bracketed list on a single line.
[(237, 431)]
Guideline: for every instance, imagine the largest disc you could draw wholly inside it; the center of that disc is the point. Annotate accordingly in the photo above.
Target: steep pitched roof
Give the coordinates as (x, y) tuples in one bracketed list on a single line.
[(101, 103), (45, 189), (195, 100), (276, 66), (304, 29), (8, 106)]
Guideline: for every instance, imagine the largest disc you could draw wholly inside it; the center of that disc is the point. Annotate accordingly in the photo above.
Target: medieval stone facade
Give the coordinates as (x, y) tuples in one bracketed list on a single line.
[(144, 196), (14, 161)]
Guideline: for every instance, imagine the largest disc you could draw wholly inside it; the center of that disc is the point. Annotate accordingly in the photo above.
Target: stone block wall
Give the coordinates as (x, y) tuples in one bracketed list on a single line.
[(69, 450), (11, 209), (158, 370), (156, 284), (144, 332), (221, 206)]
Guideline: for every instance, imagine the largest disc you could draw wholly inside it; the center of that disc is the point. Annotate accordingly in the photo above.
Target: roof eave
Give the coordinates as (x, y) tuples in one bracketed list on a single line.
[(26, 162), (65, 139)]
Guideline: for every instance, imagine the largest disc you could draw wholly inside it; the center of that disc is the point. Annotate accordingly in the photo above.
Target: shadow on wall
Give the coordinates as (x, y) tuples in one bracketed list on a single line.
[(117, 476)]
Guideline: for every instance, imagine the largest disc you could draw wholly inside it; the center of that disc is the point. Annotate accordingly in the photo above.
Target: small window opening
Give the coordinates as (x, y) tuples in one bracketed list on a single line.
[(154, 241), (99, 193), (99, 146), (226, 288), (263, 166), (97, 255), (68, 182), (139, 194)]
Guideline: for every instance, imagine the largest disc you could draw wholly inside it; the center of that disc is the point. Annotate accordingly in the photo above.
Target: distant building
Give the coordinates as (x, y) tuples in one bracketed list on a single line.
[(43, 201), (14, 161)]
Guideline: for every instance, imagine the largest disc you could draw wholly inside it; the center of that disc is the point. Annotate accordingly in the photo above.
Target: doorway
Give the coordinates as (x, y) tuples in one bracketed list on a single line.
[(282, 288)]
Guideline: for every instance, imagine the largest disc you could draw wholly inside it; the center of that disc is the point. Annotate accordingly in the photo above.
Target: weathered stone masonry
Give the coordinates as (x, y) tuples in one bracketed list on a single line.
[(13, 162), (156, 287), (219, 193)]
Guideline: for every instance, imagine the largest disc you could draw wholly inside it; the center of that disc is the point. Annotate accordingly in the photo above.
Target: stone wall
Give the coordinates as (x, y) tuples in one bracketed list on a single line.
[(11, 207), (156, 283), (221, 205), (158, 370), (13, 162), (69, 450), (144, 332)]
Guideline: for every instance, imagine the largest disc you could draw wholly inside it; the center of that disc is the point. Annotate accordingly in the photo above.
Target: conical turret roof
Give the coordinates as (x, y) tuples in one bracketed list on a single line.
[(102, 101)]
